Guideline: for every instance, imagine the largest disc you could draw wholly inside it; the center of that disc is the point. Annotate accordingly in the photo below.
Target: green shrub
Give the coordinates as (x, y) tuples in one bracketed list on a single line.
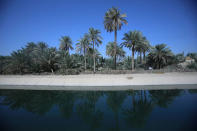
[(69, 71), (192, 66)]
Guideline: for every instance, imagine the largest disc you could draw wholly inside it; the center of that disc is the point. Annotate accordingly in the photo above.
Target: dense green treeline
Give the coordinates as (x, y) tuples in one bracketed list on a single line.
[(39, 57)]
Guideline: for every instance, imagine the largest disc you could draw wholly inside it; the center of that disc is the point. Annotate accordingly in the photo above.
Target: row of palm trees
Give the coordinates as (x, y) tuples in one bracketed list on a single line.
[(113, 21), (40, 58), (92, 38), (134, 40)]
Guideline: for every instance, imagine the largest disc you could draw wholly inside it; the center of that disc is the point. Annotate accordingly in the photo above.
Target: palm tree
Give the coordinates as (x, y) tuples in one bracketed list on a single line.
[(143, 47), (139, 48), (30, 52), (160, 55), (83, 46), (113, 21), (18, 61), (110, 50), (42, 46), (95, 38), (66, 43), (49, 59), (131, 40), (39, 55), (146, 48)]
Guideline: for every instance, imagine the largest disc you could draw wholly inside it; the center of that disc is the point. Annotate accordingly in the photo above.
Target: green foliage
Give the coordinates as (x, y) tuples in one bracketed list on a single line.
[(132, 40), (192, 66), (159, 56), (95, 37), (110, 50), (83, 46), (179, 58), (66, 43), (109, 63), (127, 63), (18, 62), (38, 58), (96, 40), (114, 20), (5, 66)]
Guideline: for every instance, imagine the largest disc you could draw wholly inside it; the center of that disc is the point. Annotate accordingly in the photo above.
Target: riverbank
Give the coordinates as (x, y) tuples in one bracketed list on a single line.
[(186, 80)]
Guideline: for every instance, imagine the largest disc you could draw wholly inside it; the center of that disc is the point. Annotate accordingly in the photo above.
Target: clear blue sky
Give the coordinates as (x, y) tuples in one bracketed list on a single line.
[(173, 22)]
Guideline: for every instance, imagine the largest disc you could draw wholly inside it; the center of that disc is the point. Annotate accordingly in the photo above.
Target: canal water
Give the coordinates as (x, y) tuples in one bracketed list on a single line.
[(142, 110)]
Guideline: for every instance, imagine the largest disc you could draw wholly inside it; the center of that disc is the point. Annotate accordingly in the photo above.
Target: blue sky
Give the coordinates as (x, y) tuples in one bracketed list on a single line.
[(173, 22)]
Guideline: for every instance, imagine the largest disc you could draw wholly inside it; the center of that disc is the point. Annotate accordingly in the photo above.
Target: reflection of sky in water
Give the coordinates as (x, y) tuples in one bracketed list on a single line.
[(121, 110)]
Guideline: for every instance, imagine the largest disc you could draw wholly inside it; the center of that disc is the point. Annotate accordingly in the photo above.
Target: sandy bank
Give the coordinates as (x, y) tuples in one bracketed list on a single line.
[(100, 81)]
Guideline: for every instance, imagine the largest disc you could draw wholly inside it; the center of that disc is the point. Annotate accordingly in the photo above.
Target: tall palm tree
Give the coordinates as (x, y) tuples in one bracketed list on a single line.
[(146, 48), (113, 21), (131, 40), (95, 38), (66, 43), (110, 50), (139, 48), (83, 46), (159, 56), (143, 47)]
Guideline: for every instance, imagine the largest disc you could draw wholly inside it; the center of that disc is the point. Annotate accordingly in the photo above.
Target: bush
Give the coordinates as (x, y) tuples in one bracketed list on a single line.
[(69, 71), (192, 66)]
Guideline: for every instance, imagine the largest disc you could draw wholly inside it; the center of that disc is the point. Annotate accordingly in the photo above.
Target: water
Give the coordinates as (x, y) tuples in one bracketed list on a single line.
[(157, 110)]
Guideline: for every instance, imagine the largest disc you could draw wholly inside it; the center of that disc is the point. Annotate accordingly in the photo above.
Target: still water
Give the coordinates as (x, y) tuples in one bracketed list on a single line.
[(156, 110)]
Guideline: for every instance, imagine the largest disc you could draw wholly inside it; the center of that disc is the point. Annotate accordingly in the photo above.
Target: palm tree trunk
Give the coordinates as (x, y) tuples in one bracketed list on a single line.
[(115, 44), (140, 57), (85, 57), (144, 59), (94, 56), (132, 61)]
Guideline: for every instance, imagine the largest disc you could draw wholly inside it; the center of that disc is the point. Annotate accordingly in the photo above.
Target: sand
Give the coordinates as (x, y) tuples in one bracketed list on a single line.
[(186, 80)]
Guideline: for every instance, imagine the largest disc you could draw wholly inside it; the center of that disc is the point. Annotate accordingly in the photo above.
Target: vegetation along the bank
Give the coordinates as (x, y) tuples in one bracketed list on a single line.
[(40, 58)]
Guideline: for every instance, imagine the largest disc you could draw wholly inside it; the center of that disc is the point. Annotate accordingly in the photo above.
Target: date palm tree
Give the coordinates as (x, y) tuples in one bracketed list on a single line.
[(113, 21), (83, 46), (143, 47), (18, 61), (146, 48), (110, 50), (95, 38), (159, 56), (66, 43), (131, 40)]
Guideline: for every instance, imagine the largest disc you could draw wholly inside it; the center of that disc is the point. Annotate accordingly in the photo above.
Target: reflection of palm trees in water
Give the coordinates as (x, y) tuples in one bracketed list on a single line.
[(87, 111), (66, 102), (40, 102), (163, 98), (114, 101), (143, 103), (141, 107), (35, 102)]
